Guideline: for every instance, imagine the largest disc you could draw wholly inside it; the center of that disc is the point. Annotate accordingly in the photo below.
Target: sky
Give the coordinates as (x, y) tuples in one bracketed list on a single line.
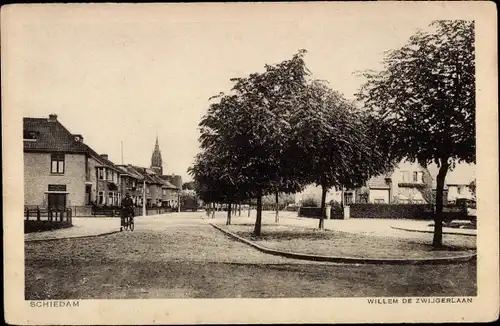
[(117, 75)]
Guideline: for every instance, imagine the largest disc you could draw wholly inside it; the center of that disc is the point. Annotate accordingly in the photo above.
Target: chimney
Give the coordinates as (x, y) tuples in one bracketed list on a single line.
[(104, 156), (53, 117)]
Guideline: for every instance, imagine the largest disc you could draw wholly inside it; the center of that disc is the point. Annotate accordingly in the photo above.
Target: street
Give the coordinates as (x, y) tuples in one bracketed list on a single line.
[(181, 256)]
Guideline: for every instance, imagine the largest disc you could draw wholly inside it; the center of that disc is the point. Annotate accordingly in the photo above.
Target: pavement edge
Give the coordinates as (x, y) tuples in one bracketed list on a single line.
[(347, 260), (74, 237), (426, 231)]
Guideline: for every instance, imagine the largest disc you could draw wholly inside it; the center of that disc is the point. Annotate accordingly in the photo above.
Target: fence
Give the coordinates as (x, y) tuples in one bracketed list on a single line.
[(44, 219), (116, 211)]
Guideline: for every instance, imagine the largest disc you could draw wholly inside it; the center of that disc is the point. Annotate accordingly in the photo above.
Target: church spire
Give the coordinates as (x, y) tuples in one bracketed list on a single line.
[(156, 161)]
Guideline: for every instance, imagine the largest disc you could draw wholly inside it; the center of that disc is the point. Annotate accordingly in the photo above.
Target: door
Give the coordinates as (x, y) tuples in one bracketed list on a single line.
[(88, 197), (57, 201)]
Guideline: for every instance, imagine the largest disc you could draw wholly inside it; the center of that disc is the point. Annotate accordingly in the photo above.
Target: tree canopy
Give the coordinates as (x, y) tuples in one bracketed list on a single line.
[(425, 98)]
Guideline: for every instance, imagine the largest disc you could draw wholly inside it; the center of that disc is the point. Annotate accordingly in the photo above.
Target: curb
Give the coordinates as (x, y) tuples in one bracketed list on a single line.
[(426, 231), (75, 237), (348, 260)]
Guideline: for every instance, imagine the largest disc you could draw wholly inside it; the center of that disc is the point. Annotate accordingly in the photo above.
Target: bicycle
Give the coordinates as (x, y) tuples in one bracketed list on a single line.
[(128, 222)]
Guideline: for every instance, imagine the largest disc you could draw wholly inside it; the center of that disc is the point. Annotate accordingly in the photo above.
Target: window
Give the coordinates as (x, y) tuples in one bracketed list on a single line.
[(100, 173), (100, 198), (415, 176), (147, 191), (164, 192), (30, 135), (379, 201), (57, 163), (110, 198), (459, 190), (404, 176)]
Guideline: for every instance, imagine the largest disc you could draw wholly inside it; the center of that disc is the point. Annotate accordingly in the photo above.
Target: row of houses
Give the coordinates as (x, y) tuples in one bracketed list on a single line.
[(60, 170), (408, 183)]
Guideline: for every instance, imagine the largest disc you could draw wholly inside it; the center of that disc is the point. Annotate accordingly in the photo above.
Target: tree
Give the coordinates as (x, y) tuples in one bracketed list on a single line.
[(310, 202), (331, 142), (250, 126), (215, 172), (188, 185), (426, 98)]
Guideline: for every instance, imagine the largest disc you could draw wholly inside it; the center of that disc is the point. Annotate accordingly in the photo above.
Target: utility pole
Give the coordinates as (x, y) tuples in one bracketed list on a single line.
[(144, 198), (179, 202)]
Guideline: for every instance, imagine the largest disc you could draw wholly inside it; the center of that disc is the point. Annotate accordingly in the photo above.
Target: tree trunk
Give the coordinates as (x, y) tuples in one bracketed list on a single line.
[(437, 241), (229, 211), (208, 209), (239, 209), (323, 208), (249, 208), (277, 218), (258, 220), (213, 211)]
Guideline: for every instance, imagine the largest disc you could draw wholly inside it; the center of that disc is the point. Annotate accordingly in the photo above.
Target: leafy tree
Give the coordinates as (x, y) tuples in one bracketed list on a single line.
[(188, 185), (251, 127), (425, 97), (310, 202), (331, 142)]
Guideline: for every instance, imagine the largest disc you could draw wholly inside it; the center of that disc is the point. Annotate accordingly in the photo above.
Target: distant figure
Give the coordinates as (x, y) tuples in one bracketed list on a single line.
[(127, 209)]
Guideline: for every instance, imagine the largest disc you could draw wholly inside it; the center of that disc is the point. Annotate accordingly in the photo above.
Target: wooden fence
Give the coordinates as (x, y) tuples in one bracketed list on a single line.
[(48, 214), (43, 219)]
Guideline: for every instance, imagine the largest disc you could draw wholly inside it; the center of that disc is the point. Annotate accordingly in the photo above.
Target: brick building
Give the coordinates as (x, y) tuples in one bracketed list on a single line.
[(55, 164)]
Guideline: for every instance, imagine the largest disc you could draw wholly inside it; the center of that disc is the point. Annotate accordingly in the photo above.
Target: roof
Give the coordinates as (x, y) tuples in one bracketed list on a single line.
[(168, 185), (51, 136), (173, 179), (378, 182), (133, 172), (146, 174), (101, 159)]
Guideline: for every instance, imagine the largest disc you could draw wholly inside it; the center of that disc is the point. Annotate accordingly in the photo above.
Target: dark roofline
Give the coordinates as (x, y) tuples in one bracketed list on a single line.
[(48, 150)]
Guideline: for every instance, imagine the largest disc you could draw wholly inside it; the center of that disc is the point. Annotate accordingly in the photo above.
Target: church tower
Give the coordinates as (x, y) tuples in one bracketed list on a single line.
[(156, 162)]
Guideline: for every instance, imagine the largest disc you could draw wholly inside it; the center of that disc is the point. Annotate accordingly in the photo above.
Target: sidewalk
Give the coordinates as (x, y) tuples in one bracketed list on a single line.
[(377, 227), (82, 227)]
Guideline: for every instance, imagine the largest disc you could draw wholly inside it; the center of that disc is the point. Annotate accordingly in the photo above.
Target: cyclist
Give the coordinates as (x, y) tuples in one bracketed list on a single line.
[(127, 209)]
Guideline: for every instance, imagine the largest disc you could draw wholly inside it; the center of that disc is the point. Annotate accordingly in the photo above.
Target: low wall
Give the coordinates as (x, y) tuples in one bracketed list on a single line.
[(40, 226)]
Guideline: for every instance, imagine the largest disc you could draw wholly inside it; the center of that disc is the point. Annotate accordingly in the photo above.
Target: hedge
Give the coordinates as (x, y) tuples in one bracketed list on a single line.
[(39, 226), (314, 212), (404, 211)]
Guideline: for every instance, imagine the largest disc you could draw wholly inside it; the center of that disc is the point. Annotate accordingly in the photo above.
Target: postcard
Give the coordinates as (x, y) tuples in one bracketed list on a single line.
[(227, 163)]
